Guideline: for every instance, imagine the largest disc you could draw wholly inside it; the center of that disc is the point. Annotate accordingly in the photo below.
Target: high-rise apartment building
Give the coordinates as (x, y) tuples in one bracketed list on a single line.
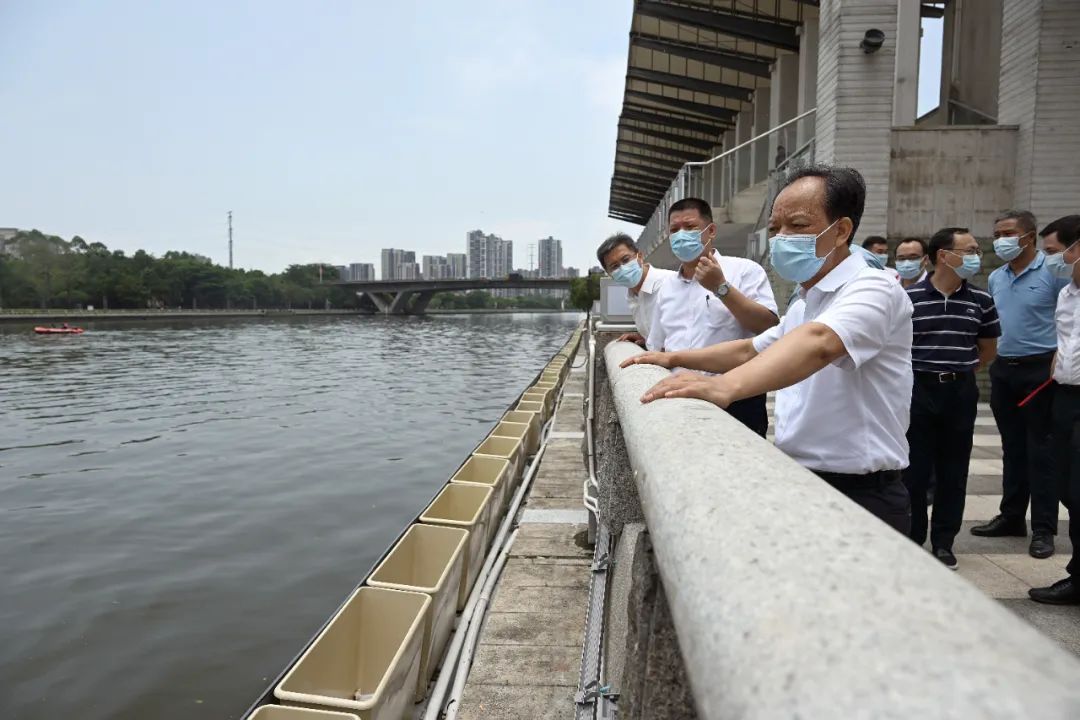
[(489, 256), (392, 259), (459, 267), (407, 271), (550, 257), (361, 272), (435, 267)]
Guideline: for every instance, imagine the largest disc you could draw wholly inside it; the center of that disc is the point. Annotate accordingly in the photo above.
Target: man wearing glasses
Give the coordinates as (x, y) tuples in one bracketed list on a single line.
[(955, 331), (1025, 294)]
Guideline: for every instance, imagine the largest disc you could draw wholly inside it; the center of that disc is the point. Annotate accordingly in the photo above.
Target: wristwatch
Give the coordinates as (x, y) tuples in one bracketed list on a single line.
[(723, 290)]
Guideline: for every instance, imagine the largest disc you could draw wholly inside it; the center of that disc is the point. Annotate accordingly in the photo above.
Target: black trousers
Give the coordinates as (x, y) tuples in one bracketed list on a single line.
[(881, 493), (939, 438), (1025, 440), (1066, 414), (752, 413)]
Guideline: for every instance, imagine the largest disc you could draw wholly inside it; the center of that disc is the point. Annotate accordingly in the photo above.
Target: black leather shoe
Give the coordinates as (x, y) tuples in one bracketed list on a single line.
[(1001, 526), (946, 557), (1042, 546), (1063, 592)]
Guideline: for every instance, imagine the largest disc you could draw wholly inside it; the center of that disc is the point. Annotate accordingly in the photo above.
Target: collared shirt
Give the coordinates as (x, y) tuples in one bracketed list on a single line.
[(922, 277), (1067, 320), (687, 316), (643, 302), (1025, 303), (947, 329), (852, 415)]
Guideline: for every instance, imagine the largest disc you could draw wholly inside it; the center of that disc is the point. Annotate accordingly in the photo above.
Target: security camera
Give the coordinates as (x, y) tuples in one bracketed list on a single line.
[(872, 41)]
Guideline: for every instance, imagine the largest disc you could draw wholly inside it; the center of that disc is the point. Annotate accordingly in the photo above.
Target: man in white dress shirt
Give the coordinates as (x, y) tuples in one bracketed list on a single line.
[(712, 298), (1065, 413), (840, 358), (621, 259)]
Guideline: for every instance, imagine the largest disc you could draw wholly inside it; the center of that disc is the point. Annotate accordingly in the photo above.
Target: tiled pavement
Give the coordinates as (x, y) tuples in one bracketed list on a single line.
[(1001, 567)]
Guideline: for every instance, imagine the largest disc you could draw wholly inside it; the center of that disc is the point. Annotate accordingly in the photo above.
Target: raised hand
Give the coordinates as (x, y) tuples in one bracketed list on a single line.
[(708, 273)]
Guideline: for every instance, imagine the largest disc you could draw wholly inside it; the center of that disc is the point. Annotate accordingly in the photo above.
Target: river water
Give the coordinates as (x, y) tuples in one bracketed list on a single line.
[(183, 504)]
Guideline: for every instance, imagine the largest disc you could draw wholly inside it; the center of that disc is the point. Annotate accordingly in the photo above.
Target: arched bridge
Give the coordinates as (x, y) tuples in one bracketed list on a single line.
[(411, 297)]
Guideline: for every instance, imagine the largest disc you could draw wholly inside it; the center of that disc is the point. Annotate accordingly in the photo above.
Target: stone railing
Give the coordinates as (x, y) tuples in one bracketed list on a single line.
[(786, 599)]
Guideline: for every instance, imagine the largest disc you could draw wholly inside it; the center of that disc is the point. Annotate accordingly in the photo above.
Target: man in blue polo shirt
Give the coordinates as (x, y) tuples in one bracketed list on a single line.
[(955, 330), (1025, 293)]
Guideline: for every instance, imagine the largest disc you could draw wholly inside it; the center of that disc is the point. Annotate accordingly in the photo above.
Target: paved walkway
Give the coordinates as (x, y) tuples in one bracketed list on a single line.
[(1001, 567), (529, 653)]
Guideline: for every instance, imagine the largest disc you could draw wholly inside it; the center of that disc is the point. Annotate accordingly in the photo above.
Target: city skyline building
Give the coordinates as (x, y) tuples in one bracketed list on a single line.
[(551, 259), (393, 259)]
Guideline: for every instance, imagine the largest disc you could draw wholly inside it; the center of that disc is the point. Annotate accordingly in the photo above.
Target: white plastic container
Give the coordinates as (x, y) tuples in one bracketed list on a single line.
[(468, 507)]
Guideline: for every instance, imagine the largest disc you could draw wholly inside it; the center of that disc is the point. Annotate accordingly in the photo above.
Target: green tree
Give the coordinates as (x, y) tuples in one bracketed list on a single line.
[(585, 291)]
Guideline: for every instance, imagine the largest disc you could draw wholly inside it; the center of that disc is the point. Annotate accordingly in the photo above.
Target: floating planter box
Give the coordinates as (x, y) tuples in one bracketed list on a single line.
[(510, 449), (280, 712), (504, 428), (493, 472), (533, 420), (366, 660), (468, 507), (431, 560), (533, 407), (539, 396)]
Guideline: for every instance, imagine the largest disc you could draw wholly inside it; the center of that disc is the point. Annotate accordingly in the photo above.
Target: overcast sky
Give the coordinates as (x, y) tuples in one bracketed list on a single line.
[(331, 129)]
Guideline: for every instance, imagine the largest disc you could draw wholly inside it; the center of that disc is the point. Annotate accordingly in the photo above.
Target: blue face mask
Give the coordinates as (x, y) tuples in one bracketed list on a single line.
[(794, 257), (970, 267), (1057, 266), (687, 245), (882, 258), (628, 274), (909, 269), (1007, 248)]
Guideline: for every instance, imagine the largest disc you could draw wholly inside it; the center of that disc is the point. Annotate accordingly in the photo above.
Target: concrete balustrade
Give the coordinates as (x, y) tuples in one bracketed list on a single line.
[(788, 600)]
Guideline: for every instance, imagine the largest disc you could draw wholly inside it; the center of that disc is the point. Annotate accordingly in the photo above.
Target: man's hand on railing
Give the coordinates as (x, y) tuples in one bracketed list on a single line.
[(691, 385), (632, 337), (663, 359)]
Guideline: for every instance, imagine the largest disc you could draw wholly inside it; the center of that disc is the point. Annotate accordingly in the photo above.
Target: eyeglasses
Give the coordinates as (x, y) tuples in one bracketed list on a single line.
[(964, 253)]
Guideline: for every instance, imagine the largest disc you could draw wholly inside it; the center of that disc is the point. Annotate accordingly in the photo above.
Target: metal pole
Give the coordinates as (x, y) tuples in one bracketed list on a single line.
[(230, 240)]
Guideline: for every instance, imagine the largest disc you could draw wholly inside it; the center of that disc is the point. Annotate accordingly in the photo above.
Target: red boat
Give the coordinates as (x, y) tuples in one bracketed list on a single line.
[(40, 330)]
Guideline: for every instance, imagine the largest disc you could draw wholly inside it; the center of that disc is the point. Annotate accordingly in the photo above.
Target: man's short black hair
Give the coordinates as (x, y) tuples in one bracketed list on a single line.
[(845, 191), (691, 203), (613, 242), (874, 240), (1024, 218), (1066, 227), (943, 239), (922, 244)]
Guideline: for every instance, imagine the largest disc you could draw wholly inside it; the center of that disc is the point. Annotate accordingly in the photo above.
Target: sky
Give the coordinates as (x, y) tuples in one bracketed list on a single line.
[(330, 128)]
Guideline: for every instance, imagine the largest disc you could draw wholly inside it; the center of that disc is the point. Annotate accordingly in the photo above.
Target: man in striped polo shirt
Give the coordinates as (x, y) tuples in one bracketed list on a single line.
[(955, 330)]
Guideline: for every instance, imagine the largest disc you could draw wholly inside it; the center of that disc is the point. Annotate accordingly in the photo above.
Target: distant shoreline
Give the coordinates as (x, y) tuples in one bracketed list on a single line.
[(54, 316)]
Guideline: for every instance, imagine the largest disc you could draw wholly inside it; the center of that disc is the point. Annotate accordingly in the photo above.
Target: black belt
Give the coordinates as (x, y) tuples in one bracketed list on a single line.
[(1027, 359), (942, 377), (846, 483)]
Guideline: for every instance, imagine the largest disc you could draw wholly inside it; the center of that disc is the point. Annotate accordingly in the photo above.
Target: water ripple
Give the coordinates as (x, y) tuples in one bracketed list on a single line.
[(254, 471)]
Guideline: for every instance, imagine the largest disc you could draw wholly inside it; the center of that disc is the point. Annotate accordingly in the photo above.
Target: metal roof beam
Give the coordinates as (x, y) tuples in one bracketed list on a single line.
[(626, 195), (676, 153), (667, 163), (659, 173), (745, 27), (638, 209), (740, 62), (703, 145), (704, 128), (735, 92), (636, 179), (713, 111)]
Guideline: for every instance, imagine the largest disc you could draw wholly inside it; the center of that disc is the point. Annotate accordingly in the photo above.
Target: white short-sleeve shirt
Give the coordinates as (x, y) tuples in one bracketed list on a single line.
[(643, 302), (851, 416), (1067, 320), (687, 316)]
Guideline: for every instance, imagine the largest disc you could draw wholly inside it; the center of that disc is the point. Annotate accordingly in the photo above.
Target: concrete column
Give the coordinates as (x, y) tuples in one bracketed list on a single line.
[(1037, 93), (759, 151), (807, 93), (744, 130), (906, 73), (724, 168), (855, 98), (783, 104), (712, 177)]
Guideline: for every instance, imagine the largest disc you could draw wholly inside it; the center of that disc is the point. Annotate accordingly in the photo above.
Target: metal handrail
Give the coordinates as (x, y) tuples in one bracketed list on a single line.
[(752, 140)]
